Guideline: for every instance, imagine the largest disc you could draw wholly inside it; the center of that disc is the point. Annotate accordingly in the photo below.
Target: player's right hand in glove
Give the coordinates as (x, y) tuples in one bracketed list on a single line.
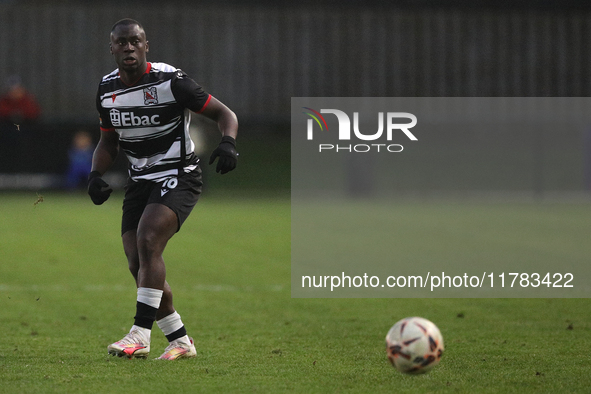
[(226, 154), (98, 190)]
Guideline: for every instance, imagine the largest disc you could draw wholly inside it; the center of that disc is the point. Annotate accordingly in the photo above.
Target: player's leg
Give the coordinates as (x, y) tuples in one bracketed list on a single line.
[(136, 343), (130, 247), (144, 248), (133, 259), (181, 195), (152, 214), (166, 306), (167, 318), (157, 225)]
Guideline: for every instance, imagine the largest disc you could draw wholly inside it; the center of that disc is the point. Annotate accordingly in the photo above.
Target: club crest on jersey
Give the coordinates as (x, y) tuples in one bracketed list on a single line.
[(150, 95)]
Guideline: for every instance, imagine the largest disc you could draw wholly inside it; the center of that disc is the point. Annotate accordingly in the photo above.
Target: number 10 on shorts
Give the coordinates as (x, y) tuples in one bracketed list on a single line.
[(168, 184)]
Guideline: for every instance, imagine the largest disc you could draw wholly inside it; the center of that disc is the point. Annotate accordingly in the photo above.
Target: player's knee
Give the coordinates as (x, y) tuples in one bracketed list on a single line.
[(149, 242)]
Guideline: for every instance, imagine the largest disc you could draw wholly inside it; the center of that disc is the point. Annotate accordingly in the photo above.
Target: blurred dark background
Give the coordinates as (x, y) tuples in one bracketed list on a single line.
[(255, 55)]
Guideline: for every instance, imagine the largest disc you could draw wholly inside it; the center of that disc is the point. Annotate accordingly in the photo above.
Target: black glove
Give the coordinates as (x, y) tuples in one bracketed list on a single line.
[(98, 190), (226, 151)]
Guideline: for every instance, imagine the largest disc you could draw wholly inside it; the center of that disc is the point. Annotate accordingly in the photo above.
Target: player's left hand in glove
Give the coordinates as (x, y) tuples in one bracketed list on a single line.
[(226, 154), (98, 190)]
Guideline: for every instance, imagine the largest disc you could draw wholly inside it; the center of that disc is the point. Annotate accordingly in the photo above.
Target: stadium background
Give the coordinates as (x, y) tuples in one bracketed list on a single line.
[(255, 55)]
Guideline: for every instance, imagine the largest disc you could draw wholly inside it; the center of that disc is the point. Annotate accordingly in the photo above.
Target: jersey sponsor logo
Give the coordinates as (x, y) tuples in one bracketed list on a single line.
[(150, 95), (113, 96), (120, 118)]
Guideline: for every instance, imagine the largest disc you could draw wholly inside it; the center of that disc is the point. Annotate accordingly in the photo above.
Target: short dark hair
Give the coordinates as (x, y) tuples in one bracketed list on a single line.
[(126, 22)]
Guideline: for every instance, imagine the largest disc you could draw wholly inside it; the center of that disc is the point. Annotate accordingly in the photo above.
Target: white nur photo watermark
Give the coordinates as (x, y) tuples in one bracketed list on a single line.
[(433, 282), (346, 132)]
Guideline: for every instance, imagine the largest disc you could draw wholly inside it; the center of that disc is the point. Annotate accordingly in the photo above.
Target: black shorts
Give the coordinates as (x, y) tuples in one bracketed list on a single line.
[(179, 194)]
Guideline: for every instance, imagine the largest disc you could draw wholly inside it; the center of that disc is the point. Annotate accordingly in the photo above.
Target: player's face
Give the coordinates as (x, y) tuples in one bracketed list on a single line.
[(129, 47)]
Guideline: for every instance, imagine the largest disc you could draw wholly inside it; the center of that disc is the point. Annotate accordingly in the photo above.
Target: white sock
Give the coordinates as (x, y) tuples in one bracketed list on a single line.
[(145, 332), (149, 296), (184, 339), (170, 323), (148, 302)]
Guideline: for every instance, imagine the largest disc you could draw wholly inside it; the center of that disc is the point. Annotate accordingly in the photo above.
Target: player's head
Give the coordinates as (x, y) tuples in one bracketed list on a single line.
[(129, 45), (127, 22)]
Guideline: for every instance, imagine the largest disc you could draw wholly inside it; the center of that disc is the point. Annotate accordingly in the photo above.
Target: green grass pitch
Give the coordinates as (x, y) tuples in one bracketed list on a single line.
[(65, 294)]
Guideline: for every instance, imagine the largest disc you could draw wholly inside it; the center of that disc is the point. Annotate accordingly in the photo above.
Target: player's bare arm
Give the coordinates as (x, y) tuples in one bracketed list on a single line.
[(223, 116), (106, 152), (228, 125), (104, 155)]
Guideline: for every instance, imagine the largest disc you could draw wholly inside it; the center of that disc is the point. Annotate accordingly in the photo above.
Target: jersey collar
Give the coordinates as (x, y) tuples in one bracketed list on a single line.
[(148, 68)]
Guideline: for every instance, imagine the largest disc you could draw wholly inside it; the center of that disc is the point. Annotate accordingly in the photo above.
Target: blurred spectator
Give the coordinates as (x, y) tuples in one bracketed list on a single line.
[(18, 109), (17, 105), (80, 160)]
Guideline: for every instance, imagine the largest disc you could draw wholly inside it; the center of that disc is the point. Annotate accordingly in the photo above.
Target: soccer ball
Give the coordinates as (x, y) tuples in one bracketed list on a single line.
[(414, 345)]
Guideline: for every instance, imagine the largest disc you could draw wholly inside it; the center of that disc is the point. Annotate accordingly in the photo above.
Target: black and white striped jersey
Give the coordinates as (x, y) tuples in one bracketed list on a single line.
[(152, 119)]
